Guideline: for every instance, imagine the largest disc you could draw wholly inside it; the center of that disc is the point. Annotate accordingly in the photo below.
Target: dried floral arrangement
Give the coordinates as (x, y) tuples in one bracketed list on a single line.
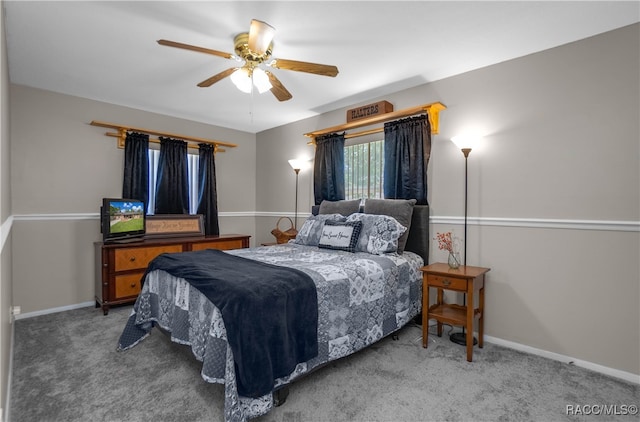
[(446, 243)]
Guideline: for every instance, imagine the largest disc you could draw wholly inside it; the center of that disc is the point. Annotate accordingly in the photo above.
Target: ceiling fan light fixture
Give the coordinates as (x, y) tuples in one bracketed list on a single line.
[(261, 80), (242, 80), (260, 36)]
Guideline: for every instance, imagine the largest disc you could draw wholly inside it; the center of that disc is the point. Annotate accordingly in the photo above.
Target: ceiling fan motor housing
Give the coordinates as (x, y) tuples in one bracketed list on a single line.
[(241, 43)]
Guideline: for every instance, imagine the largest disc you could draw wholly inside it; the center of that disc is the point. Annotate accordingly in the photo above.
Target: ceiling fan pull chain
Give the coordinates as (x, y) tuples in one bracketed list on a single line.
[(253, 89)]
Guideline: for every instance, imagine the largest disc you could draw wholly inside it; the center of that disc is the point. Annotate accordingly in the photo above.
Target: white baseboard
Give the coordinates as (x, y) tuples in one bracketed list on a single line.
[(55, 310), (616, 373)]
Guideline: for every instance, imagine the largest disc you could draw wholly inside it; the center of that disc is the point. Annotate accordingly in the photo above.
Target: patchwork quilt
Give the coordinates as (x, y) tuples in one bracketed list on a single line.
[(361, 299)]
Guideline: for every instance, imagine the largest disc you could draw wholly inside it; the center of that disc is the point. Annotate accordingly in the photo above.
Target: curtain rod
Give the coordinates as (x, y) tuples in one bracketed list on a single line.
[(433, 110), (122, 134)]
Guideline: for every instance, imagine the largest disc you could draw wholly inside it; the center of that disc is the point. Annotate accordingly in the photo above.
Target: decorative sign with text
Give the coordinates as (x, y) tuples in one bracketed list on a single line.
[(167, 225), (370, 110)]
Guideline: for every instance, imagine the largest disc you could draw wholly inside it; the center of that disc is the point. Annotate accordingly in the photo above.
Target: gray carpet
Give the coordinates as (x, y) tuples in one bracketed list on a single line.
[(66, 368)]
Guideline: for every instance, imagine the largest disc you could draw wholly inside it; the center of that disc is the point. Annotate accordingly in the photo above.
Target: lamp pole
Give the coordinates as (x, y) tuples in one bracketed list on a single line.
[(461, 338), (466, 152), (295, 218)]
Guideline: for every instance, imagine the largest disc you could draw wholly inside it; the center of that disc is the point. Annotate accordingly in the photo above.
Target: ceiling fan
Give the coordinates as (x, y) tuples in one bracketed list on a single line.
[(255, 48)]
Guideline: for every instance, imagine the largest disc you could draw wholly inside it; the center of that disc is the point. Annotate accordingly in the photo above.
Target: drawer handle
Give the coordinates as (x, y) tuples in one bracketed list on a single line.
[(446, 282), (133, 285), (133, 258)]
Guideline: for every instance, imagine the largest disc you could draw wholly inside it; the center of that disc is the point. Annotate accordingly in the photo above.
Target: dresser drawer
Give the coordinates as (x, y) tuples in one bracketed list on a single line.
[(222, 245), (128, 285), (139, 258), (447, 282)]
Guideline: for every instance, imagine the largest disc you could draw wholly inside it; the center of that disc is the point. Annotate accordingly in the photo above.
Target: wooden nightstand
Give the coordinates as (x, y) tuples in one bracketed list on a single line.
[(465, 279)]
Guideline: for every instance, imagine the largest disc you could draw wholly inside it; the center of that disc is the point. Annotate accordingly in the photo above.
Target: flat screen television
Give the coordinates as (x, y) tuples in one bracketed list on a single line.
[(122, 219)]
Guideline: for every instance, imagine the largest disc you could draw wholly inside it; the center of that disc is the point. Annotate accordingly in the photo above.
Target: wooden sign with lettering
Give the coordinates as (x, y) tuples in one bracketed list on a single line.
[(375, 109), (167, 225)]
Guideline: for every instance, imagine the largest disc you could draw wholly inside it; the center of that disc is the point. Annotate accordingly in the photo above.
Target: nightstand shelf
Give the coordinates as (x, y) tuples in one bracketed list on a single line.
[(448, 313), (466, 279)]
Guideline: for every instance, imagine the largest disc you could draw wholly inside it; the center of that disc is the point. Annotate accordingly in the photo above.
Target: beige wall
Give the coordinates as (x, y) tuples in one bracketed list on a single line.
[(561, 144), (63, 166)]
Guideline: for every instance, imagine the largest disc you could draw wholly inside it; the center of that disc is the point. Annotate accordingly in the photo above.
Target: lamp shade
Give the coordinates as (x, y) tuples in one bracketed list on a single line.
[(296, 164), (260, 36), (242, 80), (466, 140), (299, 163), (261, 80)]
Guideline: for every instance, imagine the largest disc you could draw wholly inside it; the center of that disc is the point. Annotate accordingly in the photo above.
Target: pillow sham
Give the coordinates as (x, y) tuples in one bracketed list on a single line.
[(400, 209), (340, 235), (379, 234), (344, 207), (311, 230)]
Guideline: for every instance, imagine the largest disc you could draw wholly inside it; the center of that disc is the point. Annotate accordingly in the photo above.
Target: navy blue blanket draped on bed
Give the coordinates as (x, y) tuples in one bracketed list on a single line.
[(270, 312)]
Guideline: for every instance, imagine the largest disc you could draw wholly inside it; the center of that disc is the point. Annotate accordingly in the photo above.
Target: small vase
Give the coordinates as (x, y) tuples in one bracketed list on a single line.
[(454, 260)]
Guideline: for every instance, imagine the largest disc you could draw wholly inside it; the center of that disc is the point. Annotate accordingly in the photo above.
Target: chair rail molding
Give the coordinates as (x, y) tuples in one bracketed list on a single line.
[(5, 229), (542, 223), (567, 224)]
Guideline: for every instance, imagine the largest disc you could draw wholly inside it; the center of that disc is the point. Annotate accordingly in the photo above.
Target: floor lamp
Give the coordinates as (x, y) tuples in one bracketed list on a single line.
[(296, 165), (464, 142)]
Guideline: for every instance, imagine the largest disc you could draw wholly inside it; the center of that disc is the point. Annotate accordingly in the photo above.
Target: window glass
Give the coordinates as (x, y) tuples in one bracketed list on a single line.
[(363, 170)]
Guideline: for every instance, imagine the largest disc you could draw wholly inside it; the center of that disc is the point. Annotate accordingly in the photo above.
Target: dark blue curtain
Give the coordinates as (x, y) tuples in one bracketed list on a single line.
[(135, 183), (207, 192), (172, 183), (328, 168), (407, 148)]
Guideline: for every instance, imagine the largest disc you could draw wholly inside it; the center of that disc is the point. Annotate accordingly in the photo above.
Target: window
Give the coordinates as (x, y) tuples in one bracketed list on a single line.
[(363, 170), (193, 165)]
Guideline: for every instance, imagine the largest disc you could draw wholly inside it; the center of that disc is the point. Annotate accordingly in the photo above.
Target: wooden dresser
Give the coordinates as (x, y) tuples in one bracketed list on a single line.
[(120, 266)]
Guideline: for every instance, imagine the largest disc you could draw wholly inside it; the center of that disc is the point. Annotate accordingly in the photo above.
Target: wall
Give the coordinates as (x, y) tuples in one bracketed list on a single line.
[(62, 167), (5, 221), (554, 192)]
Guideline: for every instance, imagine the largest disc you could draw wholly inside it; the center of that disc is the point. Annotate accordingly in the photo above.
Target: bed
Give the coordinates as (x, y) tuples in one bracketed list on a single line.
[(360, 294)]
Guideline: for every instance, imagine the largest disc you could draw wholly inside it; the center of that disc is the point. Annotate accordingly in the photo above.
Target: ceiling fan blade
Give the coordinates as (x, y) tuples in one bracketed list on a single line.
[(278, 90), (196, 48), (215, 78), (260, 36), (315, 68)]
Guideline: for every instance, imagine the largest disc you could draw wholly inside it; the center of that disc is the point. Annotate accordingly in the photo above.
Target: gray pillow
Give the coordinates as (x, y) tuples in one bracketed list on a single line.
[(344, 207), (400, 209), (311, 230)]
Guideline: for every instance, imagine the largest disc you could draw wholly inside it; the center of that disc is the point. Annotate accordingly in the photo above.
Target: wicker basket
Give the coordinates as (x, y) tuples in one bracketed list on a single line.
[(284, 236)]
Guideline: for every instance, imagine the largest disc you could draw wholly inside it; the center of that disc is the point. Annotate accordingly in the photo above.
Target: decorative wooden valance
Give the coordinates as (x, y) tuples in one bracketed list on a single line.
[(433, 110), (191, 140)]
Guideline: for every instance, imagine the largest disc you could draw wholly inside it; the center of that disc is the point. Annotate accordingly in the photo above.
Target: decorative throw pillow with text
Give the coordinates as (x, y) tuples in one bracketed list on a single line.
[(340, 235)]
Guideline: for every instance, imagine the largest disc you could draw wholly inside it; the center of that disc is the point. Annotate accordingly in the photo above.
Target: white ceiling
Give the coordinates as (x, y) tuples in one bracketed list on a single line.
[(107, 51)]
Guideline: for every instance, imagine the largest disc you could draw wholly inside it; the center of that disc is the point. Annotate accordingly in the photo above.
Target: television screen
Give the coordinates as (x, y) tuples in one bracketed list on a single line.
[(122, 218)]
